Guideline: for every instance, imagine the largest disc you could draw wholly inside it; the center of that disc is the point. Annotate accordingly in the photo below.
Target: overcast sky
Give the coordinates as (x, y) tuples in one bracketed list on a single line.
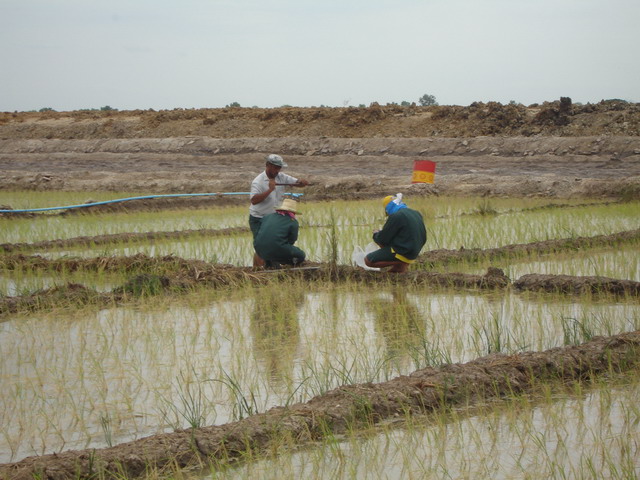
[(164, 54)]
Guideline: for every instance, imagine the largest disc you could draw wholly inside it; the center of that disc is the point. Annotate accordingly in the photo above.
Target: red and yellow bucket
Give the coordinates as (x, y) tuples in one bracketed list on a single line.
[(424, 171)]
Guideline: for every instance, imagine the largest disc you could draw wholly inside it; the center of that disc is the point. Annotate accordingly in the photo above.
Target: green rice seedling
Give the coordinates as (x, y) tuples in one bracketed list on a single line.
[(574, 331), (244, 405), (332, 242), (354, 221), (620, 263), (105, 422), (428, 354), (279, 342), (50, 227), (485, 207), (591, 435), (24, 199)]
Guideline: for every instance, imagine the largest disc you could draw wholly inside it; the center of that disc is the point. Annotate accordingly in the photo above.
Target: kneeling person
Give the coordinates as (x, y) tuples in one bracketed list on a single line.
[(278, 232), (401, 238)]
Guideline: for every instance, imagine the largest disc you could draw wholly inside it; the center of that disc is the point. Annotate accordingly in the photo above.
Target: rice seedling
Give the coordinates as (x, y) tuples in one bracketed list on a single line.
[(17, 230), (354, 223), (247, 352), (591, 434), (88, 377)]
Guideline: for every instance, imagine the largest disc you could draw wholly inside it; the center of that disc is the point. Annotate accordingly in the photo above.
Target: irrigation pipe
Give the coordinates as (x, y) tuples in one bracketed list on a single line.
[(106, 202)]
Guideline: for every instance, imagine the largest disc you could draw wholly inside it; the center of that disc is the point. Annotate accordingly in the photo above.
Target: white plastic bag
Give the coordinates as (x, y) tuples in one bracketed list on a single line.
[(358, 255)]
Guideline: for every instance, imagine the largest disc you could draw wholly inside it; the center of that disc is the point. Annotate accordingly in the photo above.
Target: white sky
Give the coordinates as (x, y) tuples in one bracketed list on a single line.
[(163, 54)]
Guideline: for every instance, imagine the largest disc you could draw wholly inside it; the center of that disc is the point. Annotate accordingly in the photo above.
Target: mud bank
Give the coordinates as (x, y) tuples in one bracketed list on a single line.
[(211, 277), (434, 258), (577, 285), (343, 409), (182, 276)]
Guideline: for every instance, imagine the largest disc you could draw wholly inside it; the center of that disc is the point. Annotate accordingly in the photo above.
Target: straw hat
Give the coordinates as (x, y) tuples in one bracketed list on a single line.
[(289, 205)]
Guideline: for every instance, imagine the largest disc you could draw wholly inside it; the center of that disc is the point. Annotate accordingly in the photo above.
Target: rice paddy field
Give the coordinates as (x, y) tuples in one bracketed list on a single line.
[(85, 376)]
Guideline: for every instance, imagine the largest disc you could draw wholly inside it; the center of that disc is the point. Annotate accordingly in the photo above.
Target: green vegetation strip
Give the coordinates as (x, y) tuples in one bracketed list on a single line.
[(484, 209), (118, 238), (434, 258), (342, 410)]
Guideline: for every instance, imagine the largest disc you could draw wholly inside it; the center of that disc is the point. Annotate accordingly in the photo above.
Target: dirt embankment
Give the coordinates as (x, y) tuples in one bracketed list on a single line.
[(555, 149), (557, 118), (341, 410)]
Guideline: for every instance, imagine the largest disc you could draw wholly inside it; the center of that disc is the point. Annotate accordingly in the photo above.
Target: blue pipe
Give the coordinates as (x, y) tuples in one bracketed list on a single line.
[(83, 205)]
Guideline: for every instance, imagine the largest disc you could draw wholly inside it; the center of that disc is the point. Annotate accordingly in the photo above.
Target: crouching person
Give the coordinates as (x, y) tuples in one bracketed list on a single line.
[(401, 238), (274, 243)]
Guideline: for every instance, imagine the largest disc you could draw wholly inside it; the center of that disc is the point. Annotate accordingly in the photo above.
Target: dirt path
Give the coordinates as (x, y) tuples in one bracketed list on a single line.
[(341, 410)]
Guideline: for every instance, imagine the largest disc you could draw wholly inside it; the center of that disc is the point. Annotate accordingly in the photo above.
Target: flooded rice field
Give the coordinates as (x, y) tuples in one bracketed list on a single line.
[(156, 369), (567, 435), (159, 363)]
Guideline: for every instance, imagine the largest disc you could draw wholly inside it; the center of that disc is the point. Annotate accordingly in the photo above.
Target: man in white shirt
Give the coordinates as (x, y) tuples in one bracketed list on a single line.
[(267, 192)]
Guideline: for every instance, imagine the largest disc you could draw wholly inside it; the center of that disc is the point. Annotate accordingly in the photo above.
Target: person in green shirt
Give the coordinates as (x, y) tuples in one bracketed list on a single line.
[(401, 238), (274, 242)]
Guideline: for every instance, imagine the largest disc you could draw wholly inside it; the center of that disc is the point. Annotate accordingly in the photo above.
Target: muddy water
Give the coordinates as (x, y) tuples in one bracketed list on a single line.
[(622, 263), (79, 379), (594, 435)]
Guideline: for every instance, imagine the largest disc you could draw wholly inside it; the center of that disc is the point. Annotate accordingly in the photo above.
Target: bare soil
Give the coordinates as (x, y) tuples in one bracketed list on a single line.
[(483, 149), (341, 410)]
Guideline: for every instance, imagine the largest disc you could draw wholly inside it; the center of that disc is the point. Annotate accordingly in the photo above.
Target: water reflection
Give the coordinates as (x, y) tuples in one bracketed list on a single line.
[(275, 329), (128, 363), (400, 323)]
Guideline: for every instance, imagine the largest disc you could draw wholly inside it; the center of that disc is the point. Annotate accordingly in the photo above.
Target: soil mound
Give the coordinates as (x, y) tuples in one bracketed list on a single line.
[(352, 152), (577, 285), (557, 118)]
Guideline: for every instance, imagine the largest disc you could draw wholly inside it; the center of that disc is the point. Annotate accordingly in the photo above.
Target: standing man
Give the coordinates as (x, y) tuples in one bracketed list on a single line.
[(274, 243), (267, 192), (401, 238)]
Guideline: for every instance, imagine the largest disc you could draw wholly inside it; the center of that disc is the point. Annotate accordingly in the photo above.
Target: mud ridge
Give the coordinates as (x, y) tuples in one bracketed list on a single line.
[(191, 275), (199, 275), (433, 258), (343, 409), (567, 284)]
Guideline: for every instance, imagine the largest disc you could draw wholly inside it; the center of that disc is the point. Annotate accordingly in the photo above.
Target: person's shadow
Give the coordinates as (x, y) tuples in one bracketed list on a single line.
[(275, 329), (401, 324)]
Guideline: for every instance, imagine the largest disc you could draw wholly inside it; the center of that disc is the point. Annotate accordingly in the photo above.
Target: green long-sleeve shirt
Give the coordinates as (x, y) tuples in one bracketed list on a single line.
[(404, 231), (276, 237)]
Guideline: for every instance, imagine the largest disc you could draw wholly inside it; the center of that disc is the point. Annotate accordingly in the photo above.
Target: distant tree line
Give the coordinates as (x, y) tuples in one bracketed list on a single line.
[(106, 108)]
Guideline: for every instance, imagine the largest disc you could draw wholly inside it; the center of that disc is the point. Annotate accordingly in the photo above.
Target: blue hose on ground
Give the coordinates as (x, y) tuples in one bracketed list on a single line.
[(84, 205)]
